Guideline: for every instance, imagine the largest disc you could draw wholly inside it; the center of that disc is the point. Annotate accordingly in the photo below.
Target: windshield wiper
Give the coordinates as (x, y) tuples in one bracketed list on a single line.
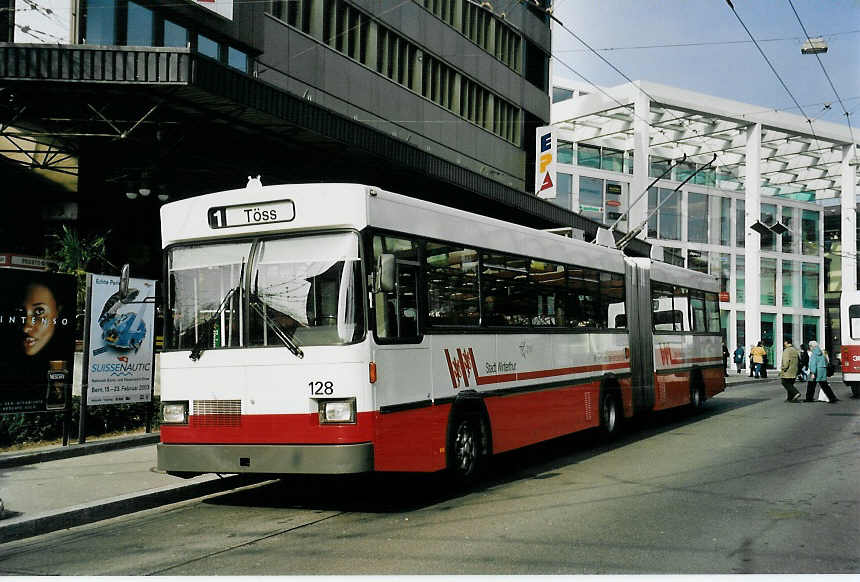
[(258, 306), (206, 328)]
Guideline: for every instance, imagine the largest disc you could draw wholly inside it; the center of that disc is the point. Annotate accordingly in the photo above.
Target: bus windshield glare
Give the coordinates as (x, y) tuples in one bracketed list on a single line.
[(241, 294)]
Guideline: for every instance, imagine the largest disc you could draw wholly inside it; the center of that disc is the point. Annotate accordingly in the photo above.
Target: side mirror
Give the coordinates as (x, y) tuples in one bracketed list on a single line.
[(385, 273), (123, 281)]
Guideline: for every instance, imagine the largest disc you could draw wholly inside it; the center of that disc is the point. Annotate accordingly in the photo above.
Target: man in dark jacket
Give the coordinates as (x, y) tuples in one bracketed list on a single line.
[(788, 371)]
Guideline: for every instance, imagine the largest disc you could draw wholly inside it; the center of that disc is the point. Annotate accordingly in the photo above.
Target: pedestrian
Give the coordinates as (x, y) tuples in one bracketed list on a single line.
[(725, 360), (764, 363), (818, 374), (788, 371), (757, 354), (739, 358), (803, 363)]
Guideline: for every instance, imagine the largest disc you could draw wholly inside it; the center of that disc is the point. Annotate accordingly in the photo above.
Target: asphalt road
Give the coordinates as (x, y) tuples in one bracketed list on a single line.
[(752, 485)]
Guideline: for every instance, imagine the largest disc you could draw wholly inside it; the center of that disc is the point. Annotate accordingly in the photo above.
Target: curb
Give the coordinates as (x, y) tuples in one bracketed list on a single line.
[(29, 526), (76, 450)]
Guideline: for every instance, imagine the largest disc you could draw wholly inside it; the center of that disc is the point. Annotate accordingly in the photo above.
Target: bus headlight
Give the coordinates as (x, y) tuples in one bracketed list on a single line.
[(337, 411), (174, 412)]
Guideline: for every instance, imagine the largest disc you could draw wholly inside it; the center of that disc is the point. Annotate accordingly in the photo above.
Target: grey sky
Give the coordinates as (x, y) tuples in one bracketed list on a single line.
[(732, 69)]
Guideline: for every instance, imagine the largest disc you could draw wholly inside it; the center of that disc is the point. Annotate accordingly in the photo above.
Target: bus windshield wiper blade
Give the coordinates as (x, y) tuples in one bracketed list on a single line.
[(205, 328), (257, 305)]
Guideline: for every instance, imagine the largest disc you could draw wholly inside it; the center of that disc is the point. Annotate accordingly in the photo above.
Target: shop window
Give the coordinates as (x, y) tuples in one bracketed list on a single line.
[(788, 285), (591, 198), (810, 284), (697, 260)]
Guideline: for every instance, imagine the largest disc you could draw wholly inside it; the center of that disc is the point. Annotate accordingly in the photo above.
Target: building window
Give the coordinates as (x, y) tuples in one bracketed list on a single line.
[(237, 59), (788, 327), (787, 238), (564, 191), (788, 286), (809, 285), (697, 217), (697, 260), (673, 256), (741, 332), (588, 156), (591, 198), (809, 232), (740, 280), (658, 167), (768, 217), (725, 221), (612, 160), (684, 170), (559, 94), (565, 152), (139, 31), (768, 331), (665, 224), (810, 329), (740, 226), (768, 281), (725, 271), (175, 35), (100, 22), (207, 47)]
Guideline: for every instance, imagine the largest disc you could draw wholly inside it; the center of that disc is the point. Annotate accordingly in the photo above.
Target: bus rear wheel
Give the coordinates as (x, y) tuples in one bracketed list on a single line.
[(697, 393), (610, 415)]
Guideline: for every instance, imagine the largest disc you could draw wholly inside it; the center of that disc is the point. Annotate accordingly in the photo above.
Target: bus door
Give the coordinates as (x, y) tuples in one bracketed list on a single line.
[(640, 333), (402, 358)]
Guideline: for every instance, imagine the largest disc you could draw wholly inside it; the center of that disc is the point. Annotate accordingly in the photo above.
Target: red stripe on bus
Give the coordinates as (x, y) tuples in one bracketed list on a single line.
[(266, 429), (411, 440)]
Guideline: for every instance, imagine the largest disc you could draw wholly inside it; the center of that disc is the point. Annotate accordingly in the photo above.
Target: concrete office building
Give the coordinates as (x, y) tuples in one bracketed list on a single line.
[(110, 107), (763, 217)]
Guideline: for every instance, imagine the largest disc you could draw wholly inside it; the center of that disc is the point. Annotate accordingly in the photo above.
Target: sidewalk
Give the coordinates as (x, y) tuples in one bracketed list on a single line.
[(56, 488)]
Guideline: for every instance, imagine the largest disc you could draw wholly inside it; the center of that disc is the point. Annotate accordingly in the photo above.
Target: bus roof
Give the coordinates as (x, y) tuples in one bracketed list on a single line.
[(327, 206)]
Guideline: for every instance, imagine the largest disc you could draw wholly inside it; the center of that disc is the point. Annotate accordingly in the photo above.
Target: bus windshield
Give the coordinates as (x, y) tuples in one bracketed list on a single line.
[(247, 294)]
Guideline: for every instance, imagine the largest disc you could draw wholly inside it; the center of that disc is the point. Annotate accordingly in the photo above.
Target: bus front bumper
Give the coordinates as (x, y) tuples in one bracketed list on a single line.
[(267, 459)]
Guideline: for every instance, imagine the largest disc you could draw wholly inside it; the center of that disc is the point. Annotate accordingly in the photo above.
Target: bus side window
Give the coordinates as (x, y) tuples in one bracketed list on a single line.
[(397, 309)]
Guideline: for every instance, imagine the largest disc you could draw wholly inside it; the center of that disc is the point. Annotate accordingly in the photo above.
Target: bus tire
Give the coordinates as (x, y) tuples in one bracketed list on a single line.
[(611, 414), (466, 457), (697, 390)]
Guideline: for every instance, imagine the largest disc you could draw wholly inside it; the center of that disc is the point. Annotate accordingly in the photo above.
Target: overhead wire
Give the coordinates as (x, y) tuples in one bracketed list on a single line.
[(826, 74)]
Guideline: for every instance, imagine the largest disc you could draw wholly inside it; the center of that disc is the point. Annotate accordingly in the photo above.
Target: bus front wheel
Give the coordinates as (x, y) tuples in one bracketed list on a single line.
[(464, 450)]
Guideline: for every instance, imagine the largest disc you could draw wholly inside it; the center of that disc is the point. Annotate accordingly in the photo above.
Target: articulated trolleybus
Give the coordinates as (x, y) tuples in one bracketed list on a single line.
[(850, 332), (339, 328)]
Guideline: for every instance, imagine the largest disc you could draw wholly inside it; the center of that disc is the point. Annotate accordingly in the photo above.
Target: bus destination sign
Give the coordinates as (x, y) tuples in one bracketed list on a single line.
[(251, 214)]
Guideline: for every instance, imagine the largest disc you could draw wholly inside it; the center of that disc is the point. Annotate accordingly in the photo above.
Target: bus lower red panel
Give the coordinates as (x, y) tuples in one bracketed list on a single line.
[(263, 429), (671, 389), (519, 420), (715, 381), (411, 440), (850, 359)]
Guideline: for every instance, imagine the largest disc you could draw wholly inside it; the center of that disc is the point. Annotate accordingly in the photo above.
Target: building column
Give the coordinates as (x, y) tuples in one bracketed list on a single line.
[(315, 26), (849, 219), (638, 210), (752, 239)]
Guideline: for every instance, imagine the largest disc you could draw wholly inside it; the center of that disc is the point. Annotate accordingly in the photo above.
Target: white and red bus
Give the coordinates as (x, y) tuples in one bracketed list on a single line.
[(850, 335), (339, 328)]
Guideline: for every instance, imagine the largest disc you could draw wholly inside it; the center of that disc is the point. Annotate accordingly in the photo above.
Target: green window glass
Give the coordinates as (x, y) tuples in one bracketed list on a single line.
[(740, 228), (591, 198), (670, 214), (725, 271), (788, 328), (237, 59), (658, 166), (740, 331), (725, 221), (697, 217), (684, 170), (563, 190), (809, 276), (788, 287), (768, 333), (588, 156), (740, 280), (809, 232), (565, 152), (810, 328), (724, 325), (175, 35), (787, 238), (768, 217), (207, 46), (612, 160), (768, 281)]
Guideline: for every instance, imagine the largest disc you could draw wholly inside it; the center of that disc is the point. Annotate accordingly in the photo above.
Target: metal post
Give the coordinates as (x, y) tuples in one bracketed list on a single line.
[(82, 424)]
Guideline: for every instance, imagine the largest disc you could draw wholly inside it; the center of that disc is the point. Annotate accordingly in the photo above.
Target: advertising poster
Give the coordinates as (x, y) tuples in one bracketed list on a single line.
[(120, 341), (37, 339)]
